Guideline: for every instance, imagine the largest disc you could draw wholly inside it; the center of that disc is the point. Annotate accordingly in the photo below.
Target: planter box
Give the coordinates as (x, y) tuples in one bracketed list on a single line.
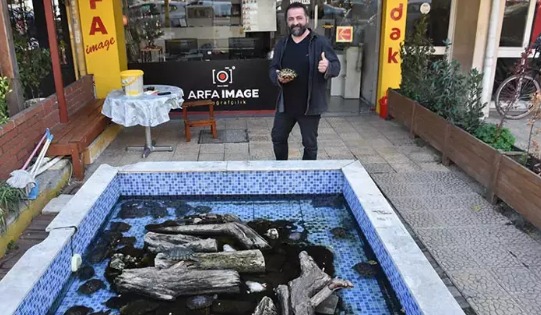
[(520, 188), (430, 127), (402, 108), (502, 177), (472, 155)]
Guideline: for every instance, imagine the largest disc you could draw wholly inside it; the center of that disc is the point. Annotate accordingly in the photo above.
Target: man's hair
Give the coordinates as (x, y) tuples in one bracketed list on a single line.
[(296, 5)]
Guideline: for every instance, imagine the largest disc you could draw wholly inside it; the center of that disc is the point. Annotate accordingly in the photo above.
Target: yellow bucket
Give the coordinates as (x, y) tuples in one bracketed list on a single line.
[(132, 82)]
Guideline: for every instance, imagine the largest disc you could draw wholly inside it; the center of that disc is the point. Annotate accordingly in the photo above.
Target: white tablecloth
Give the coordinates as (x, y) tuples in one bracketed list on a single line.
[(144, 110)]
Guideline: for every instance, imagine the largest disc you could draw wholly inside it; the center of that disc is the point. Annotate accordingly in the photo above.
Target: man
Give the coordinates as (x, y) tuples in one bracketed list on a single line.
[(301, 99)]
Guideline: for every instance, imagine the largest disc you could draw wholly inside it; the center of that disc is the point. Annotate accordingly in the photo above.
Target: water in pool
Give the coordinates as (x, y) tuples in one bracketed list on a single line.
[(320, 225)]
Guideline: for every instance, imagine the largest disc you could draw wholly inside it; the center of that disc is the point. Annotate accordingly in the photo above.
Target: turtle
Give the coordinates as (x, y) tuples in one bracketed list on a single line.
[(368, 269), (180, 253), (339, 232), (287, 73)]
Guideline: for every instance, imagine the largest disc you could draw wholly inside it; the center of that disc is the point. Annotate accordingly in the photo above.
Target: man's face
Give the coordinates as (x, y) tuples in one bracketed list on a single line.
[(296, 21)]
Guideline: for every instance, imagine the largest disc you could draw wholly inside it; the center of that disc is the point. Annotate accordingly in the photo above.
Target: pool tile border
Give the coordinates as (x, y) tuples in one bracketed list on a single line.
[(30, 288)]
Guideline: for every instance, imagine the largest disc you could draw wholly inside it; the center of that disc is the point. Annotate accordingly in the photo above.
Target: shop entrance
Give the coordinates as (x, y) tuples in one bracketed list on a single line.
[(352, 26), (221, 49)]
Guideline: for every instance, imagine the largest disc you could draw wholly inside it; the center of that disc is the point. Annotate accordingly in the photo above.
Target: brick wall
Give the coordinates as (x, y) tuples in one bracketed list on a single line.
[(20, 135)]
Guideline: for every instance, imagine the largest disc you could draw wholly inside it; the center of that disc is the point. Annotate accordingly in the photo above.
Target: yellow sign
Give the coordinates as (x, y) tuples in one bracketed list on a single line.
[(344, 34), (393, 32), (104, 45)]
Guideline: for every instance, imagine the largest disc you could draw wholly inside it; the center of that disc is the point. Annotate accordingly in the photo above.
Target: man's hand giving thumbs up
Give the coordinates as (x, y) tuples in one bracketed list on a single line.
[(323, 64)]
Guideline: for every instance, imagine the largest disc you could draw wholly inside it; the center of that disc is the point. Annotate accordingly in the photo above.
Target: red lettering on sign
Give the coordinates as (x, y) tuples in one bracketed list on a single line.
[(395, 33), (97, 26), (396, 13), (391, 56), (100, 46), (93, 4)]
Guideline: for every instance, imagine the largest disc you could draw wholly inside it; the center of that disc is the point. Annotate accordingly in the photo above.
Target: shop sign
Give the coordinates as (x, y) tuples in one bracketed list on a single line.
[(393, 32), (98, 28), (103, 42), (344, 34), (232, 84)]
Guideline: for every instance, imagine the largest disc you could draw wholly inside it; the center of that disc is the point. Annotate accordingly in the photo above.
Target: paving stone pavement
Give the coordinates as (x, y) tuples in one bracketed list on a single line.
[(487, 263)]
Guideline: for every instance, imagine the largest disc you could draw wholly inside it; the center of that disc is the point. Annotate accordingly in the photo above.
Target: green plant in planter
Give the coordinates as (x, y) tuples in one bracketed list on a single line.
[(441, 86), (415, 54), (4, 90), (34, 65), (455, 95), (9, 201), (496, 137)]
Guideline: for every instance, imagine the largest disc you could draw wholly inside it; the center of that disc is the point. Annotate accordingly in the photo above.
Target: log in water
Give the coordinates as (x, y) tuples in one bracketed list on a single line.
[(244, 261), (168, 284)]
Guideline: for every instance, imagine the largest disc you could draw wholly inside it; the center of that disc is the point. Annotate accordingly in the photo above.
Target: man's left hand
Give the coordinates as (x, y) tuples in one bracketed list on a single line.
[(323, 64)]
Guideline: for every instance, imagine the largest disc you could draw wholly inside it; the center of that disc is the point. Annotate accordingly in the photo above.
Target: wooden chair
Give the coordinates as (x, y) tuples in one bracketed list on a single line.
[(196, 123)]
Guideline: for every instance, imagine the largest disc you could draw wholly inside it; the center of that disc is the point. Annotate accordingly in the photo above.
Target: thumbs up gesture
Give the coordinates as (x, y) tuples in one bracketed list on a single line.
[(323, 64)]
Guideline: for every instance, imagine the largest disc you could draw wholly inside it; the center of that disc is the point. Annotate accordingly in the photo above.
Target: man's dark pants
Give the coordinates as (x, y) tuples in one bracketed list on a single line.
[(283, 124)]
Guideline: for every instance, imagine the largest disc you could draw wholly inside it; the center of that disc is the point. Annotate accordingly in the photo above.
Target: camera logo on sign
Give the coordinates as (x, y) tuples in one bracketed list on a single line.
[(223, 77)]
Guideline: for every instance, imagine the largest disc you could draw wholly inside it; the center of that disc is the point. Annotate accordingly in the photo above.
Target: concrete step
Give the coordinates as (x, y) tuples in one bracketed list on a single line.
[(56, 204)]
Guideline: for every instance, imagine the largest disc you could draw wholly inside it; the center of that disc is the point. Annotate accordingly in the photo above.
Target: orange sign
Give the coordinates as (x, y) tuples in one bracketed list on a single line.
[(344, 34)]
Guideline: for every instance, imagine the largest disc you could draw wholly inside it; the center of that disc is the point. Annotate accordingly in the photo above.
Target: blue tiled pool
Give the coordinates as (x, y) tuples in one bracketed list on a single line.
[(38, 279), (317, 214)]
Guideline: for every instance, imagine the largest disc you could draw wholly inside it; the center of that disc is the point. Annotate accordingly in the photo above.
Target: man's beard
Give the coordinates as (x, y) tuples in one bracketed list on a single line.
[(297, 30)]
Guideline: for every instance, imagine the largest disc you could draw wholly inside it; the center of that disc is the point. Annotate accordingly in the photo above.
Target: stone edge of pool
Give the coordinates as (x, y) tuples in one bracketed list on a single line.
[(415, 282)]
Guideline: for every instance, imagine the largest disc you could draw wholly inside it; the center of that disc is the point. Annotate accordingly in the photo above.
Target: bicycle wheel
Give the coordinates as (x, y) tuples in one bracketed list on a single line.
[(514, 97)]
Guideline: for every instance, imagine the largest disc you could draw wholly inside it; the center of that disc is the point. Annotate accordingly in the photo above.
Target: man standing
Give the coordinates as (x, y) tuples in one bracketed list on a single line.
[(301, 99)]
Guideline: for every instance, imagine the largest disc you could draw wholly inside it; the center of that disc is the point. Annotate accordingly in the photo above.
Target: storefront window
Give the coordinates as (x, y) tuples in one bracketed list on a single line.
[(188, 43), (438, 21), (514, 23), (193, 30)]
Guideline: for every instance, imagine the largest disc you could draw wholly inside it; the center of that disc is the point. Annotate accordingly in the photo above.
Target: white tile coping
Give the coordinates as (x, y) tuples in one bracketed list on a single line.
[(422, 280), (26, 273), (178, 167), (76, 209), (56, 204)]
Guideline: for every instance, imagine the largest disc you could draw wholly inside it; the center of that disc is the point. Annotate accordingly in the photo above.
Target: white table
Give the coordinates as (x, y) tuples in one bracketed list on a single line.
[(144, 110)]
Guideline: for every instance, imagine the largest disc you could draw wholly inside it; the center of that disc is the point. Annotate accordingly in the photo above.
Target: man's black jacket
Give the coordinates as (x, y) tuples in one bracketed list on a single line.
[(317, 98)]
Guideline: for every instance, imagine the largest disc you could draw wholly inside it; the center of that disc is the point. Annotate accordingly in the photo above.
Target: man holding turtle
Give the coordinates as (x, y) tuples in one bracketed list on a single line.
[(301, 66)]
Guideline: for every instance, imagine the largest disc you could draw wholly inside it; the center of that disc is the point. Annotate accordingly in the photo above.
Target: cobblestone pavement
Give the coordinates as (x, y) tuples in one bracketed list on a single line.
[(484, 259)]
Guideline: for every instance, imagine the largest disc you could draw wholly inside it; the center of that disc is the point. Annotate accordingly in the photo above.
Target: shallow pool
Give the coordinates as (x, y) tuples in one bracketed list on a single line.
[(41, 275), (317, 216)]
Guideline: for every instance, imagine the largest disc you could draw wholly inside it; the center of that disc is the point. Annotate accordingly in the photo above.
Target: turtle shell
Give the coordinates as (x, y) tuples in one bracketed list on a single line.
[(179, 253), (288, 73)]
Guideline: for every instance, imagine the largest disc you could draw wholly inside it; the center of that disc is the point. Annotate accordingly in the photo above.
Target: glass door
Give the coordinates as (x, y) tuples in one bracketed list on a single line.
[(516, 34), (441, 21), (356, 84)]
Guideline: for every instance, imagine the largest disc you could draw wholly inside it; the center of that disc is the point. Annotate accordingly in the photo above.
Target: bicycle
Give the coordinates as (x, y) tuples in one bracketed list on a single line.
[(514, 96)]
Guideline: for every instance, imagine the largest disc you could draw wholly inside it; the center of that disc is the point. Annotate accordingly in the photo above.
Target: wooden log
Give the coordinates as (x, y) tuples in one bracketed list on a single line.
[(282, 291), (245, 261), (311, 280), (168, 284), (265, 307), (310, 289), (243, 233), (156, 242)]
